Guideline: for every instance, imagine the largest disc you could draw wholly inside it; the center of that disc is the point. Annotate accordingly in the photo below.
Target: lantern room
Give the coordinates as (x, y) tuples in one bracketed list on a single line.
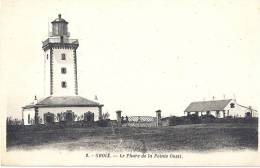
[(59, 27)]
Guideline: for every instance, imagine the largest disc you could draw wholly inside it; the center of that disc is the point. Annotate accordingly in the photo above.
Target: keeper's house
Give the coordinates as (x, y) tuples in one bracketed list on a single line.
[(220, 109)]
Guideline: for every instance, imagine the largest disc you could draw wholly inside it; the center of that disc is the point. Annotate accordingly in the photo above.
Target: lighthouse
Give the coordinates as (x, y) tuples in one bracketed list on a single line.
[(61, 101), (60, 61)]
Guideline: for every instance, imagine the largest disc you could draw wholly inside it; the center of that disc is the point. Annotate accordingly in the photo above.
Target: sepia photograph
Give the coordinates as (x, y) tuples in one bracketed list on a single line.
[(130, 82)]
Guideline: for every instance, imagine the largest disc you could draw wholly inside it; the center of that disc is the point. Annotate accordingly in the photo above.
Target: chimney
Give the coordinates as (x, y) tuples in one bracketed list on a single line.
[(35, 101), (96, 98), (235, 100)]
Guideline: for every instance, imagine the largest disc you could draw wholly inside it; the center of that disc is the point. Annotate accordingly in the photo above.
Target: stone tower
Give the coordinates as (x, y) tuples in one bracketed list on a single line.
[(60, 61)]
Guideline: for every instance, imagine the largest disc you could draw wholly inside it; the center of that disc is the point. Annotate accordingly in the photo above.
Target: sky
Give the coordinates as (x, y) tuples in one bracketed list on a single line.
[(137, 56)]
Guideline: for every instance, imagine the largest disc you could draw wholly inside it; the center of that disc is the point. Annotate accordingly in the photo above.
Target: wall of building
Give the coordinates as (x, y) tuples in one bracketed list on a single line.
[(79, 111), (254, 114), (58, 77), (237, 111), (46, 79), (28, 116), (217, 114)]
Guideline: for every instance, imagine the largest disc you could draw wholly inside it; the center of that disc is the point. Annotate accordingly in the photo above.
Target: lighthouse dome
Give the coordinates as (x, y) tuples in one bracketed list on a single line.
[(59, 19)]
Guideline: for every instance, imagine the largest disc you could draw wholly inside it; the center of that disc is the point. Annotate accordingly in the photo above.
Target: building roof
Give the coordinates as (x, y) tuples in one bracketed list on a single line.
[(59, 19), (64, 101), (207, 105), (249, 108)]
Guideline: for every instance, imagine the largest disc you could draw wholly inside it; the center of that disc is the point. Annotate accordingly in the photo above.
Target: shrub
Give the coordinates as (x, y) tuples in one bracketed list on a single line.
[(195, 119), (208, 118), (103, 123), (172, 121)]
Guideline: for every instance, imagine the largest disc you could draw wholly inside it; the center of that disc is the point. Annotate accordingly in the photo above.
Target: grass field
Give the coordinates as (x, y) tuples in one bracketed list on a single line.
[(196, 137)]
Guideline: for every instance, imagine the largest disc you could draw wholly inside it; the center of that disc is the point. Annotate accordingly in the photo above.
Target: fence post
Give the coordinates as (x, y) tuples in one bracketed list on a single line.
[(118, 116), (158, 118), (100, 117)]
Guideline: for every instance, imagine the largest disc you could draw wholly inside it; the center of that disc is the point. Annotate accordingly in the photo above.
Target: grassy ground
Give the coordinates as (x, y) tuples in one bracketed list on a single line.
[(196, 137)]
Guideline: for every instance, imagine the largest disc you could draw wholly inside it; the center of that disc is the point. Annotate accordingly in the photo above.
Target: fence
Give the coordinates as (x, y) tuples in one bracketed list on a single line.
[(139, 121)]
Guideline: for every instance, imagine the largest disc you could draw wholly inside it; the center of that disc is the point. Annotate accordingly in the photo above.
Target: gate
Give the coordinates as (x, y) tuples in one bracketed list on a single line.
[(139, 121)]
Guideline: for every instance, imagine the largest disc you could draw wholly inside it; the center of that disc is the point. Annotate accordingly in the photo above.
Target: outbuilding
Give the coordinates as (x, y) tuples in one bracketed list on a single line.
[(220, 109)]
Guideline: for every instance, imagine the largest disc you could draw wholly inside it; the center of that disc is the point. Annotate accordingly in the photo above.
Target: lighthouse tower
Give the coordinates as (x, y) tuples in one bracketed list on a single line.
[(60, 61), (61, 102)]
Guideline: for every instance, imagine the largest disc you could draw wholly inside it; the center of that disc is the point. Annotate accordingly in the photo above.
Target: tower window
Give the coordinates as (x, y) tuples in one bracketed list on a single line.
[(63, 70), (63, 56), (47, 56), (63, 84)]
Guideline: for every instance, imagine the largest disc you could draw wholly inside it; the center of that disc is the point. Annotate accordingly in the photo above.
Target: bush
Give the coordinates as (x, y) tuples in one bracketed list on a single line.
[(103, 123), (172, 121), (208, 118), (195, 119)]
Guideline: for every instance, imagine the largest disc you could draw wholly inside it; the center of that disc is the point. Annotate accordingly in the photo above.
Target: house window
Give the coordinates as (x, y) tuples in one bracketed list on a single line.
[(63, 84), (232, 105), (63, 70), (47, 56), (63, 56)]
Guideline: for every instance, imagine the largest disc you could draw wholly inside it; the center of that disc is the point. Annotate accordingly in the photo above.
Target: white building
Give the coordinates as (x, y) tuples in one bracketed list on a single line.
[(220, 109), (61, 101)]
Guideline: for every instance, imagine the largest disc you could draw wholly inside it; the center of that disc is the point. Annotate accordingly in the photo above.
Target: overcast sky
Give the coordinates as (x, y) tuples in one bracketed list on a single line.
[(138, 56)]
